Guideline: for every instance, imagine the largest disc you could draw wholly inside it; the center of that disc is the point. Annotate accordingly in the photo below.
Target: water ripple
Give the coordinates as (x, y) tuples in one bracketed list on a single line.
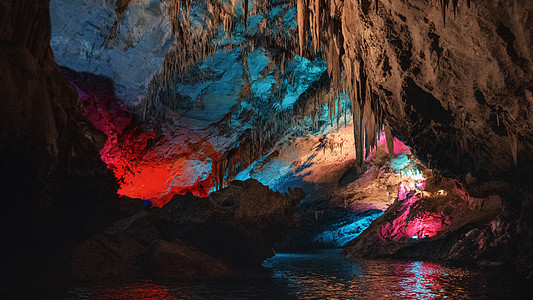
[(327, 275)]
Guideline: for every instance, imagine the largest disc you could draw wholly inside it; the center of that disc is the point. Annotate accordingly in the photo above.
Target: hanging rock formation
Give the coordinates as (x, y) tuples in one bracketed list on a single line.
[(222, 96), (451, 91)]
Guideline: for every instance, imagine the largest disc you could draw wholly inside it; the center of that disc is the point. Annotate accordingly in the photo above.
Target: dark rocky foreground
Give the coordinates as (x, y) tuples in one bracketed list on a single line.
[(55, 190), (191, 237), (57, 193)]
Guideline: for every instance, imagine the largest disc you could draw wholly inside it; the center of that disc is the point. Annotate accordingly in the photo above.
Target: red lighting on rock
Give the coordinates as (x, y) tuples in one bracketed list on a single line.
[(143, 168)]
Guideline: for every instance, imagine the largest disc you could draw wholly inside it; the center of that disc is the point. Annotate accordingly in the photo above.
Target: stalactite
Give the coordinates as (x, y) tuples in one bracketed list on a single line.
[(367, 145), (390, 139), (315, 23), (318, 19), (282, 63), (245, 13), (358, 134), (369, 118), (302, 13), (191, 47), (444, 6)]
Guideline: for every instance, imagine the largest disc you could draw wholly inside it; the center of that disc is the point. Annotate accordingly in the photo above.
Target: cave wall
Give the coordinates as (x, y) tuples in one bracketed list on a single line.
[(124, 40), (452, 79), (455, 83), (457, 89), (55, 189)]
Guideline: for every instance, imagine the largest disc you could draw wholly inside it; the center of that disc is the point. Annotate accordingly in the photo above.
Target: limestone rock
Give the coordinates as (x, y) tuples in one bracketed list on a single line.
[(127, 44), (238, 225), (234, 228), (456, 92), (428, 224), (176, 260), (56, 192)]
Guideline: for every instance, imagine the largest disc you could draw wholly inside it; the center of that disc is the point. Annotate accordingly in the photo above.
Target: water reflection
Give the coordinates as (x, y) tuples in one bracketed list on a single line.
[(138, 290), (327, 275)]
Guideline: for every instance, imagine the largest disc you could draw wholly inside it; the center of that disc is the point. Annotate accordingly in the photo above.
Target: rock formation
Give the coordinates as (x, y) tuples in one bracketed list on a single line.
[(197, 91), (221, 98), (426, 222), (459, 93), (55, 189), (234, 228)]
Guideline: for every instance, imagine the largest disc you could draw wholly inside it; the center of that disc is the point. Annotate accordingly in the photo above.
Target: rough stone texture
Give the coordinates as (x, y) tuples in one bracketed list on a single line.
[(233, 228), (220, 114), (136, 251), (460, 93), (339, 204), (173, 260), (238, 225), (124, 40), (425, 224), (55, 189)]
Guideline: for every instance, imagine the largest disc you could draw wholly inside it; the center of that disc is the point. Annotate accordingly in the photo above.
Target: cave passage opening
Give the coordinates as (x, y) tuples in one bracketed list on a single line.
[(205, 115), (195, 95), (183, 136)]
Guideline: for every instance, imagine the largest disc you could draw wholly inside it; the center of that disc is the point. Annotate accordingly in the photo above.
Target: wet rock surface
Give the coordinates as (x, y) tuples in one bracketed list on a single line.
[(191, 237)]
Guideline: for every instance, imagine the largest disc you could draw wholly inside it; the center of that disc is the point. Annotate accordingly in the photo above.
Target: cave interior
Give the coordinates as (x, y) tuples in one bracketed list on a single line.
[(186, 139)]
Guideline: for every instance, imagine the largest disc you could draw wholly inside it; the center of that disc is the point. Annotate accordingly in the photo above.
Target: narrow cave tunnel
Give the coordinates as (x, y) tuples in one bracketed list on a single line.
[(286, 149)]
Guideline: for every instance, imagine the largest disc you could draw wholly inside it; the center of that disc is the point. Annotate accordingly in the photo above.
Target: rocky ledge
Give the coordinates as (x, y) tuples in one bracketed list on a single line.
[(232, 229), (439, 220)]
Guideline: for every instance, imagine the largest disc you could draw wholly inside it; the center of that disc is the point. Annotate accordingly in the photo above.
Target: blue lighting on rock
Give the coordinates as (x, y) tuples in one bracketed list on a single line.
[(348, 228), (406, 166)]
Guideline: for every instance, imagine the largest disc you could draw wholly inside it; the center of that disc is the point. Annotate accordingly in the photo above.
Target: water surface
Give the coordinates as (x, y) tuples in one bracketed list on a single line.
[(325, 274)]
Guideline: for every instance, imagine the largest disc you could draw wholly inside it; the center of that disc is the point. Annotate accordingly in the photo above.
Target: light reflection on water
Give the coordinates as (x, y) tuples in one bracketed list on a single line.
[(326, 275)]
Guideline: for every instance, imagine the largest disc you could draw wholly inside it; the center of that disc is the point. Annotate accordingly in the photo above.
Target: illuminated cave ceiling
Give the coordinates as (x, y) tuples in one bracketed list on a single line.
[(220, 87)]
